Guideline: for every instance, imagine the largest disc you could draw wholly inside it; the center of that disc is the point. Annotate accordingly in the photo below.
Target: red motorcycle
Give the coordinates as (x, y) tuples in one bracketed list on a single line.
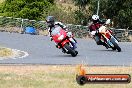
[(60, 37)]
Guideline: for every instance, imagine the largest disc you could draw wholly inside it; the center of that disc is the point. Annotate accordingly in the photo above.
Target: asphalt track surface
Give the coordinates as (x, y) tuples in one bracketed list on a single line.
[(42, 51)]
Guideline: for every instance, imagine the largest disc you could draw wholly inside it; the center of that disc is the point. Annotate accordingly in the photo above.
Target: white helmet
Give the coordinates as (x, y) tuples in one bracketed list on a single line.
[(95, 17)]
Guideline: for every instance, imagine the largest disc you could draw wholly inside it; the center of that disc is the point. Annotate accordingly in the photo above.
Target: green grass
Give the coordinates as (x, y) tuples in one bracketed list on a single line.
[(5, 52), (54, 76)]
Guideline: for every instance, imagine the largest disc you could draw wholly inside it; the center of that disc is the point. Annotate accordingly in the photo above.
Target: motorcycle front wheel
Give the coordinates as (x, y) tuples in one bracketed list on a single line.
[(116, 46), (71, 51)]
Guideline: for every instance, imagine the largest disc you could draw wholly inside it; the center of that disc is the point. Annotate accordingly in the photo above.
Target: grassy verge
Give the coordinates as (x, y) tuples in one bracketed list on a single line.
[(54, 76), (5, 52)]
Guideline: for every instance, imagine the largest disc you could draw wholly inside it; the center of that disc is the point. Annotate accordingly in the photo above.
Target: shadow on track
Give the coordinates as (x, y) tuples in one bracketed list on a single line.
[(67, 56), (106, 50)]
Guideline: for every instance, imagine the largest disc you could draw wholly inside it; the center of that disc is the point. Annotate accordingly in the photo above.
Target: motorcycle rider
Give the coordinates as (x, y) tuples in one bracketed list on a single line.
[(97, 23), (50, 20)]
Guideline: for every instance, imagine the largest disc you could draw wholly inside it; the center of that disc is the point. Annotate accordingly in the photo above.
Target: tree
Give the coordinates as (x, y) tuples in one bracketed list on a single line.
[(125, 15), (120, 11), (81, 15), (31, 9), (81, 4)]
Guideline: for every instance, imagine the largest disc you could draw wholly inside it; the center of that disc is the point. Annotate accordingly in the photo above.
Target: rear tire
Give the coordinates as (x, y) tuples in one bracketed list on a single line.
[(70, 50), (116, 46)]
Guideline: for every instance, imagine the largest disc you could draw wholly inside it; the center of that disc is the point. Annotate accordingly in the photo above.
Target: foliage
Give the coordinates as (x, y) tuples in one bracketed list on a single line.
[(82, 15), (4, 21), (30, 9), (81, 3), (61, 15), (120, 11), (125, 15)]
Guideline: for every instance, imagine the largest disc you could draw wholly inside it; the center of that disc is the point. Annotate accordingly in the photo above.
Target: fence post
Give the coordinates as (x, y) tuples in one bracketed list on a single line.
[(126, 32)]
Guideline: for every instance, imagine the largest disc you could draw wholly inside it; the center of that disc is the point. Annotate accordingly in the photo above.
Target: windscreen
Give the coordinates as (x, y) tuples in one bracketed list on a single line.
[(56, 31)]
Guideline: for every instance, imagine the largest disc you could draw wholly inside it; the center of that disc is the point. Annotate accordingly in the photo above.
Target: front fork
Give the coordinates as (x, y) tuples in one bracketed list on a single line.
[(73, 43), (108, 42)]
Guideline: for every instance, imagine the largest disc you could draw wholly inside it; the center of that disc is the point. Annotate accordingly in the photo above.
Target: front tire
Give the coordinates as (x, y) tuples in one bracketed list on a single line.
[(116, 46), (70, 50)]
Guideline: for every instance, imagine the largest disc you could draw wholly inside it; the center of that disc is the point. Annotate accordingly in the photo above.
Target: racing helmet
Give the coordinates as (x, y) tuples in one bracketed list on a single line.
[(50, 21), (95, 18)]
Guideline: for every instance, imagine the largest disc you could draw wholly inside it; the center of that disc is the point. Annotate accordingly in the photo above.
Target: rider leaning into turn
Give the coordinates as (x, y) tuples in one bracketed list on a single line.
[(97, 23), (52, 24)]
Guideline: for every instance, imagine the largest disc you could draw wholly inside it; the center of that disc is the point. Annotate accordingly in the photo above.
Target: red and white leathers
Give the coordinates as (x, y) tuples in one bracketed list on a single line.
[(94, 31), (94, 27)]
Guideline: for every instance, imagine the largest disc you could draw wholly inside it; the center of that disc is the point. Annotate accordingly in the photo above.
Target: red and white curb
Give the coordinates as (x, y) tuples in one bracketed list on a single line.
[(16, 54)]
